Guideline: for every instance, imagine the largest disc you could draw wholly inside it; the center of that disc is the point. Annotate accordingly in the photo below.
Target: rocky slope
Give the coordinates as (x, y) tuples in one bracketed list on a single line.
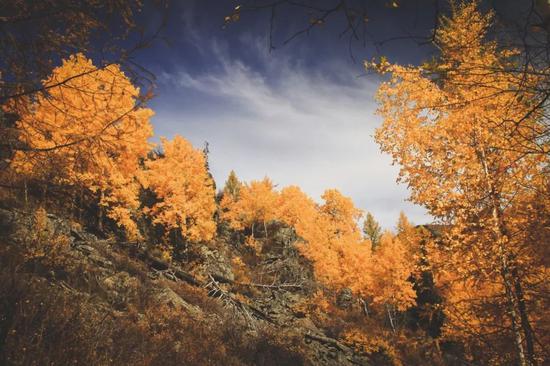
[(247, 314)]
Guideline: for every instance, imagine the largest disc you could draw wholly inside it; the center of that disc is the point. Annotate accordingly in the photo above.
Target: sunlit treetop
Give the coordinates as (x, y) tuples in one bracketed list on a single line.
[(90, 131), (184, 190)]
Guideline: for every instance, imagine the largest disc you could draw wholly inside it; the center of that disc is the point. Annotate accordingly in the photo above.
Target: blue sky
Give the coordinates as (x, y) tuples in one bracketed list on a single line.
[(302, 114)]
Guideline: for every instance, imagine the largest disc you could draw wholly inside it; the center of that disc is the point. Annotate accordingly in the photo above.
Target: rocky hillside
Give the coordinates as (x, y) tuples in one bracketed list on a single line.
[(69, 297)]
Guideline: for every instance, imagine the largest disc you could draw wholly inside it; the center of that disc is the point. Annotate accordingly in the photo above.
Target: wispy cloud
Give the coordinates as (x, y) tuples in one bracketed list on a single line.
[(312, 128)]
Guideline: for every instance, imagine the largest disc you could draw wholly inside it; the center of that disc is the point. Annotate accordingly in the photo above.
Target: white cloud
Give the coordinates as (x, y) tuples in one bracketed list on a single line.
[(298, 127)]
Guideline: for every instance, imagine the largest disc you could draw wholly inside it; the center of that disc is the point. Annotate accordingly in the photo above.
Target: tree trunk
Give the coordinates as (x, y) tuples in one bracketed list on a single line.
[(265, 229), (100, 212), (438, 348), (80, 204), (500, 232), (73, 204), (45, 195), (390, 317), (26, 193), (514, 293), (512, 310), (365, 307), (525, 323)]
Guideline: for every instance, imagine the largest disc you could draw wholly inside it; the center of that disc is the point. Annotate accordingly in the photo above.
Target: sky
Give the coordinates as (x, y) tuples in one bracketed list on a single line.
[(302, 114)]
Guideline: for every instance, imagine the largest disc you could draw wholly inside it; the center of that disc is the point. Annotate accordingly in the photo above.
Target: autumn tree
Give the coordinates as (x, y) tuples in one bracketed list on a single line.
[(403, 223), (410, 236), (451, 126), (295, 208), (427, 313), (342, 214), (331, 239), (37, 35), (256, 204), (391, 269), (341, 258), (372, 230), (183, 189), (90, 133)]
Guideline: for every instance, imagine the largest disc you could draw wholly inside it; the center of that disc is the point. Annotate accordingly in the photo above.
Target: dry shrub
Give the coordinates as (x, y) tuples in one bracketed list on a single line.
[(42, 244), (264, 346), (254, 245), (380, 351), (240, 269), (43, 324), (162, 251), (195, 296), (164, 336), (317, 307), (123, 262), (272, 348)]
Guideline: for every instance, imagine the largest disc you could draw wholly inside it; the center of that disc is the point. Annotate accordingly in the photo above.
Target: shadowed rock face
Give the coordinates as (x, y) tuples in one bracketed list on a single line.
[(213, 262)]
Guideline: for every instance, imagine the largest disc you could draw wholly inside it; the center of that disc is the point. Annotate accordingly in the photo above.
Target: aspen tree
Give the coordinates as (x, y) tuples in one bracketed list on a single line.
[(184, 189), (90, 132), (450, 126)]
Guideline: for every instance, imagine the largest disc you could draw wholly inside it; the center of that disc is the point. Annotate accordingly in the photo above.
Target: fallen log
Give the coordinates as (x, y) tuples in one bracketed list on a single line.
[(326, 340)]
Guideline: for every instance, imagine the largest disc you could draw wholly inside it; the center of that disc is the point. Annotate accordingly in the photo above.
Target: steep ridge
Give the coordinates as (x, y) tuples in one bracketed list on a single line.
[(128, 305)]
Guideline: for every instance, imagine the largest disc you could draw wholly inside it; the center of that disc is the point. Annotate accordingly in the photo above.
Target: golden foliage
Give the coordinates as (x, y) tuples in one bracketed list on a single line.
[(90, 132), (317, 307), (461, 129), (256, 203), (253, 244), (331, 239), (184, 190), (241, 271), (371, 345), (390, 273), (295, 207), (341, 257)]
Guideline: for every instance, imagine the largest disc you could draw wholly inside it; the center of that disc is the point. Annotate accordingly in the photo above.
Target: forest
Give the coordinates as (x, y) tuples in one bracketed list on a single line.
[(115, 250)]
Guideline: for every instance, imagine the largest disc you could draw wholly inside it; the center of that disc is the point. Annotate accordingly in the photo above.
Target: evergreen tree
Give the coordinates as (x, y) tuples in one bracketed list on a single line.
[(232, 186), (372, 230), (403, 223), (206, 153)]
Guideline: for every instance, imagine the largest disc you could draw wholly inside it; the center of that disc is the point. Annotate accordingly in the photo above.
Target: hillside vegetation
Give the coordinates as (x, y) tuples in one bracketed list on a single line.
[(115, 251)]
